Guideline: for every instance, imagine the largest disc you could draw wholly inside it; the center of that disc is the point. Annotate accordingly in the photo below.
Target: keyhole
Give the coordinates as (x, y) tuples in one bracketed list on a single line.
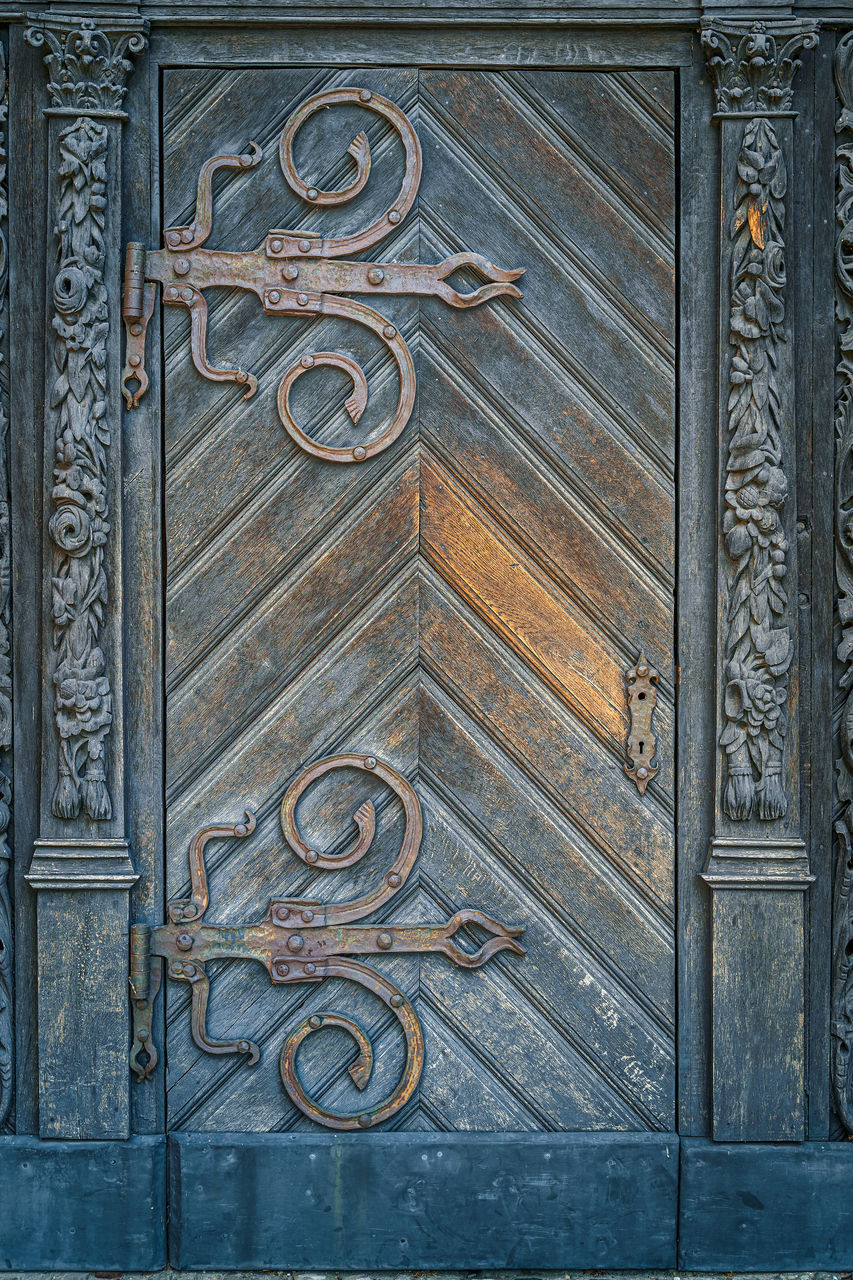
[(642, 747)]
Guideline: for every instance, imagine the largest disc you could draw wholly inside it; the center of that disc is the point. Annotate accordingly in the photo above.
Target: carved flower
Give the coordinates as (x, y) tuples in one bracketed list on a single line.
[(753, 700), (71, 529), (70, 291)]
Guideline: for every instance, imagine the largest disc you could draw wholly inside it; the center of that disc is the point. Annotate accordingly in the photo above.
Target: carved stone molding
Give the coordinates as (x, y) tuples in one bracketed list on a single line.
[(842, 975), (87, 61), (753, 67)]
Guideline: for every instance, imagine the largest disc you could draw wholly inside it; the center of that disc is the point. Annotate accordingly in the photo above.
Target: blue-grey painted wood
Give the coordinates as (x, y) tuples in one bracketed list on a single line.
[(423, 1200), (82, 1206), (755, 1207)]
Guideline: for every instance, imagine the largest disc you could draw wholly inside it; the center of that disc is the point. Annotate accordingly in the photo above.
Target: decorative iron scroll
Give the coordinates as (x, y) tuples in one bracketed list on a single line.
[(842, 975), (642, 682), (7, 1030), (297, 274), (306, 941)]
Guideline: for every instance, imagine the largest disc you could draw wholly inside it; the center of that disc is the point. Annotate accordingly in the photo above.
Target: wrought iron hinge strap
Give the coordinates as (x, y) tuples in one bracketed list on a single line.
[(302, 941), (299, 273)]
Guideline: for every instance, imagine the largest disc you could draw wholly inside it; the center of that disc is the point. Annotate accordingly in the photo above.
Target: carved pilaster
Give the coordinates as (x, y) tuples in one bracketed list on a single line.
[(842, 962), (758, 865), (81, 867)]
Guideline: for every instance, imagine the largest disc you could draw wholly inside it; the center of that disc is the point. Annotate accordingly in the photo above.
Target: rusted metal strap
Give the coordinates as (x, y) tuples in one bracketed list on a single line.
[(305, 941)]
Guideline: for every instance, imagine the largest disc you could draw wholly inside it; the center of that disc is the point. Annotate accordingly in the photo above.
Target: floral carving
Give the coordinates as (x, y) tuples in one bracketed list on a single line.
[(79, 525), (6, 927), (752, 68), (842, 977), (87, 64), (758, 645)]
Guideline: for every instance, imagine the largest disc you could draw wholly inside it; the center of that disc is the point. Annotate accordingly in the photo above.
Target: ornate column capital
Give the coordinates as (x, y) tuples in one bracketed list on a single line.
[(87, 61), (753, 64)]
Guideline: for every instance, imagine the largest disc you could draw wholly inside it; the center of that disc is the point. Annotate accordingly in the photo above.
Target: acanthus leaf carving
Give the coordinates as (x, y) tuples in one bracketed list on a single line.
[(87, 61), (758, 638), (79, 524), (753, 68)]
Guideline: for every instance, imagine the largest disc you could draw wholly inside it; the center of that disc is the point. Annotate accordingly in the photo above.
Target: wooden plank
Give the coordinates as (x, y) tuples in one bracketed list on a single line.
[(424, 1200), (762, 1207), (27, 146), (420, 40), (697, 541), (83, 1206)]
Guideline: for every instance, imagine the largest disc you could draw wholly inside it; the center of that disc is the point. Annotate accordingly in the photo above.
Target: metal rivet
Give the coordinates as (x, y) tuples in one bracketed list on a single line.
[(244, 1046), (393, 216), (310, 968), (142, 1035), (190, 970), (295, 942), (384, 942), (365, 95), (282, 969), (307, 362), (184, 941), (302, 299), (174, 237), (307, 916), (376, 275), (276, 246), (370, 762), (136, 329), (642, 772), (177, 967), (187, 235), (290, 272), (182, 266), (282, 913), (304, 246), (315, 1021), (187, 295), (358, 453), (312, 855), (274, 295), (364, 1121), (171, 292), (241, 829), (389, 331), (312, 193), (396, 1001), (189, 912), (134, 361), (394, 880)]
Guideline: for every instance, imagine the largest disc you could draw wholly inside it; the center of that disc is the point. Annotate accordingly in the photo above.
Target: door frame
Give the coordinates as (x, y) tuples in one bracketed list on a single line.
[(709, 1015)]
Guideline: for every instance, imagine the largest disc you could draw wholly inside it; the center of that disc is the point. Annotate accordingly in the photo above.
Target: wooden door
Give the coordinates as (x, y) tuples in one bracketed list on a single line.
[(463, 606)]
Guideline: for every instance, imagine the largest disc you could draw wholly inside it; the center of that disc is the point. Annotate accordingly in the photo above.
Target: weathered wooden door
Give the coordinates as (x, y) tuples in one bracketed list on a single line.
[(352, 682), (464, 605)]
